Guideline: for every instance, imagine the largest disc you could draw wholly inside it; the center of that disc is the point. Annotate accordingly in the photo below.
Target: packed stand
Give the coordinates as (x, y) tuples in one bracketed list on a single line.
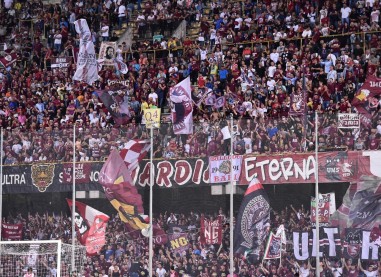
[(274, 44), (126, 252)]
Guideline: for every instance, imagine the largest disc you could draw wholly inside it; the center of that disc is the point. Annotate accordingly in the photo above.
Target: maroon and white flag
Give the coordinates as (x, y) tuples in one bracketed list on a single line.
[(182, 107), (134, 151), (8, 59), (90, 225), (210, 231), (87, 67)]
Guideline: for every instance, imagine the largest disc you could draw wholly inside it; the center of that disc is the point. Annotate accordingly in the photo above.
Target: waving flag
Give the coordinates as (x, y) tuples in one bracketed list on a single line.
[(182, 107), (90, 225), (120, 66), (245, 78), (116, 104), (253, 221), (122, 194), (134, 151), (87, 67), (273, 248), (220, 102), (210, 100), (8, 59), (366, 99), (361, 206)]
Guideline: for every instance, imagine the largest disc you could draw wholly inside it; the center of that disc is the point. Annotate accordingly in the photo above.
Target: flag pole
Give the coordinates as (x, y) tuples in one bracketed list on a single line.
[(73, 232), (231, 254), (317, 195), (1, 181), (151, 205)]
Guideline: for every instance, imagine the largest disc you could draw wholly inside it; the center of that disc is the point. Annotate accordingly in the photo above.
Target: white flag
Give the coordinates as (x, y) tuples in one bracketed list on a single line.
[(87, 67)]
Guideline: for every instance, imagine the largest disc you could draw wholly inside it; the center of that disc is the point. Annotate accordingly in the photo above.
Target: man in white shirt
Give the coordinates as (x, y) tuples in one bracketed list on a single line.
[(121, 15), (141, 19), (160, 271), (271, 69), (153, 95), (57, 41), (345, 12), (203, 54), (274, 56), (105, 31), (172, 69)]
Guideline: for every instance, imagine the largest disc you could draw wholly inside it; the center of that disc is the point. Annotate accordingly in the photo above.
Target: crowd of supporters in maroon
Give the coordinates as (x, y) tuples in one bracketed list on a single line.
[(335, 45), (129, 256)]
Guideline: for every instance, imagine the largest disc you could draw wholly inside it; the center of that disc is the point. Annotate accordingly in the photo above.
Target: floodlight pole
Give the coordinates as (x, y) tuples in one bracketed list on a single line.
[(150, 244), (231, 253), (317, 195), (1, 181), (73, 231)]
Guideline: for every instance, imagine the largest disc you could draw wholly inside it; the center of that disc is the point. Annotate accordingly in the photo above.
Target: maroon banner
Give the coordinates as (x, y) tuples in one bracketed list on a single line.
[(11, 231), (211, 231), (300, 168), (365, 99), (82, 173)]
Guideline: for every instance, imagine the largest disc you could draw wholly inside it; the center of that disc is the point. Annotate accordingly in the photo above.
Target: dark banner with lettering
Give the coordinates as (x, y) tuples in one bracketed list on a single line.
[(274, 169), (11, 231), (50, 177)]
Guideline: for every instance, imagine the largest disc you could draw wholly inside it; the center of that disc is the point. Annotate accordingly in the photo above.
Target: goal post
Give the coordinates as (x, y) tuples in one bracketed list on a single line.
[(45, 257)]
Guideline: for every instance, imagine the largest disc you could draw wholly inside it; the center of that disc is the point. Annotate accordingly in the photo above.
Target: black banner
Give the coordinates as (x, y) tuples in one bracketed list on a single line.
[(50, 178)]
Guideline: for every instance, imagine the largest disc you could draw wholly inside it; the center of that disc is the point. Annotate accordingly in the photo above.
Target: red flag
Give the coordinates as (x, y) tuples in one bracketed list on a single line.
[(134, 151), (88, 222), (96, 238)]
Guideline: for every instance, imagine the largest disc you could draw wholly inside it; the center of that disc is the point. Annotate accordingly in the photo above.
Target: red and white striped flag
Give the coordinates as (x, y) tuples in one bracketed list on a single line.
[(134, 152)]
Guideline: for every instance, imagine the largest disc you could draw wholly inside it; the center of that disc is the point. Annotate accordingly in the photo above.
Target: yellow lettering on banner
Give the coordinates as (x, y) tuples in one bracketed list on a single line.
[(175, 244), (152, 118), (183, 241)]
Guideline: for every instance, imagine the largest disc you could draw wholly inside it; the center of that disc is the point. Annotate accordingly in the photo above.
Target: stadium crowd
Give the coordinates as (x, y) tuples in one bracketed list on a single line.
[(126, 253), (335, 46)]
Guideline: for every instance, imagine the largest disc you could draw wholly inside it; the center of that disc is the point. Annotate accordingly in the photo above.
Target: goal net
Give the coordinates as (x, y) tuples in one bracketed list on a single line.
[(45, 258)]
